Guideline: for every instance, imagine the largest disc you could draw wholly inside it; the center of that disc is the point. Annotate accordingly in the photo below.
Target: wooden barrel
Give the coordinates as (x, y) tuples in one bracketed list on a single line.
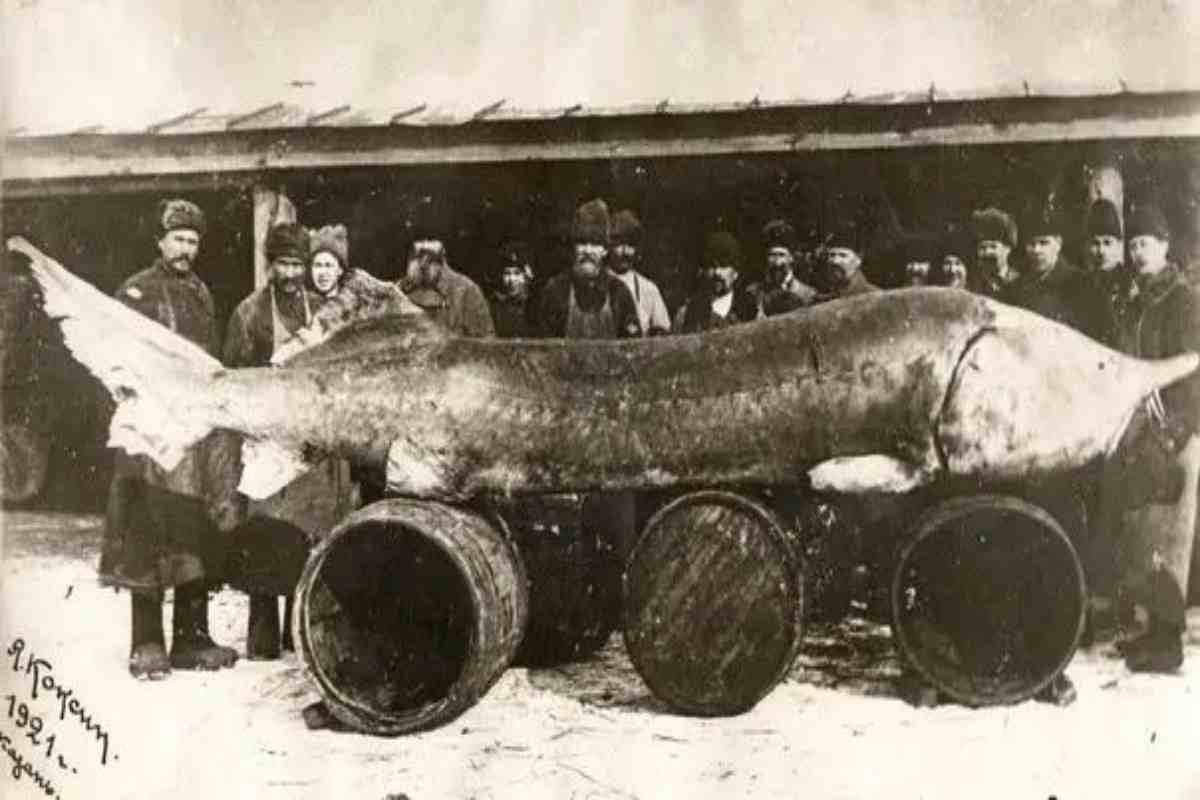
[(407, 613), (988, 599), (714, 602), (24, 457)]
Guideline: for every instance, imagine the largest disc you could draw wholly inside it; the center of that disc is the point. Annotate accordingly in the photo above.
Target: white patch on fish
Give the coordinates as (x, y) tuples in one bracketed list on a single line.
[(268, 467), (411, 472), (873, 473)]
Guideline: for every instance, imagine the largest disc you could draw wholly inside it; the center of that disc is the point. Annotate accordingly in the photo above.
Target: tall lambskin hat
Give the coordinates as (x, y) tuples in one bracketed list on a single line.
[(591, 224), (287, 240), (331, 239), (626, 228), (181, 214), (778, 233), (845, 234), (1042, 219), (1103, 219), (1147, 219), (722, 248), (993, 225)]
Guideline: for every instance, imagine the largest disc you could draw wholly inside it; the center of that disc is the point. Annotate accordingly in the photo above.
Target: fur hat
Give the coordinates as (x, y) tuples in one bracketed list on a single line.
[(1044, 219), (778, 233), (330, 239), (845, 234), (591, 224), (176, 214), (515, 254), (287, 240), (722, 248), (626, 228), (1147, 220), (1103, 219), (993, 225)]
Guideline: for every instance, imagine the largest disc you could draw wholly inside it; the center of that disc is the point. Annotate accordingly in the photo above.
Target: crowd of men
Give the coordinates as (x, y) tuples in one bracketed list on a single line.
[(159, 534)]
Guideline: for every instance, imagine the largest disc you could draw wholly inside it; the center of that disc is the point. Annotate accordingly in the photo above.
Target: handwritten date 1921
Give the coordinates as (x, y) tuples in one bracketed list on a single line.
[(19, 713)]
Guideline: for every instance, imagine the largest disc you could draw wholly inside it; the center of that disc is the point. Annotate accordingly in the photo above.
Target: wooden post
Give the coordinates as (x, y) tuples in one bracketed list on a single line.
[(271, 207)]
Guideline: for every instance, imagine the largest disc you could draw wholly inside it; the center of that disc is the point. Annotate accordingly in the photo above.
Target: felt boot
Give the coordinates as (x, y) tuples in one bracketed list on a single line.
[(1160, 649), (191, 646), (1060, 691), (262, 630), (147, 651)]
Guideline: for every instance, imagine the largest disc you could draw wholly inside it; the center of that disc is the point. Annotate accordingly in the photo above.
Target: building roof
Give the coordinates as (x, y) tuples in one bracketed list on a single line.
[(204, 145)]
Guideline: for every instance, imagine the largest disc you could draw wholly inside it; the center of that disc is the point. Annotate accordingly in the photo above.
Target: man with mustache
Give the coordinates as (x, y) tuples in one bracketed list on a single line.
[(1048, 285), (843, 261), (445, 294), (261, 324), (718, 301), (585, 301), (159, 529), (1160, 450), (781, 291), (1108, 284), (995, 234), (625, 254)]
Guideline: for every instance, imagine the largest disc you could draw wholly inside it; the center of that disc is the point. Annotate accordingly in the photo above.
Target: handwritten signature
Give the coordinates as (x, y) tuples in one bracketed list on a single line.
[(22, 768), (43, 683)]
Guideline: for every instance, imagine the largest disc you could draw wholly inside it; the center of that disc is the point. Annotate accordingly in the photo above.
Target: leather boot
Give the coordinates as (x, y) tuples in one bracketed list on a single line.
[(147, 649), (1160, 649), (262, 630), (191, 645)]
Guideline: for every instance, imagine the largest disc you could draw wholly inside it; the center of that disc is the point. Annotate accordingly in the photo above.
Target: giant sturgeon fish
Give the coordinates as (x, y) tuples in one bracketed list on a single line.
[(882, 392)]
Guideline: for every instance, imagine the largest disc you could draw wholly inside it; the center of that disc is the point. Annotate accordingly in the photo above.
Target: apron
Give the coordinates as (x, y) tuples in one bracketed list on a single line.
[(600, 324), (281, 528)]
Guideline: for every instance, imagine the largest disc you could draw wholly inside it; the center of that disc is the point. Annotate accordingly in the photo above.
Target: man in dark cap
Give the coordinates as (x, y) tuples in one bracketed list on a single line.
[(843, 260), (1160, 450), (954, 253), (919, 255), (625, 254), (585, 301), (159, 527), (995, 234), (1108, 285), (781, 291), (510, 304), (718, 300), (1048, 285), (447, 295), (262, 324)]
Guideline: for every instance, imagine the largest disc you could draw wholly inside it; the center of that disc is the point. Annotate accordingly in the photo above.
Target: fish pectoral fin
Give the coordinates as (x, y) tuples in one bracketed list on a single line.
[(871, 473), (268, 466)]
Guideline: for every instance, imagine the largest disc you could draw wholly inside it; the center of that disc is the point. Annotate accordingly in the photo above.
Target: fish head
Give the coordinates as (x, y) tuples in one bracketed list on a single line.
[(1031, 396)]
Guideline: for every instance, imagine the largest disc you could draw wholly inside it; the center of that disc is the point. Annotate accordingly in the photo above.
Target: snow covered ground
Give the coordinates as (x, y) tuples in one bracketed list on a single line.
[(834, 729)]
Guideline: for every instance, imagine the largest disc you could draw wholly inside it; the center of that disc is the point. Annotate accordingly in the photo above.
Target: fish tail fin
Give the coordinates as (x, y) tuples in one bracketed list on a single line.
[(159, 380), (1164, 372)]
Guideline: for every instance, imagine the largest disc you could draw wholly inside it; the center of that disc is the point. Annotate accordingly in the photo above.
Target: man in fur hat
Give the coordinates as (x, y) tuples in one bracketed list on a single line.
[(1048, 285), (625, 253), (261, 325), (718, 300), (781, 291), (1159, 452), (159, 527), (585, 301), (445, 294), (995, 234), (843, 260), (1108, 285)]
